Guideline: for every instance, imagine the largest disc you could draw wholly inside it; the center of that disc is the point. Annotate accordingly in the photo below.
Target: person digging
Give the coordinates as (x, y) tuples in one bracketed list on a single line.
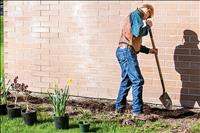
[(130, 44)]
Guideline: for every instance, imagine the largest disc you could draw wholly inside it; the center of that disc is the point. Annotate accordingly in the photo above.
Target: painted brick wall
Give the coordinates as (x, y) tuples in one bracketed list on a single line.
[(51, 41)]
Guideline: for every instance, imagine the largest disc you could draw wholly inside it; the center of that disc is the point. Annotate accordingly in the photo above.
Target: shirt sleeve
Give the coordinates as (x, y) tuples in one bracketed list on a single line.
[(137, 24), (144, 49)]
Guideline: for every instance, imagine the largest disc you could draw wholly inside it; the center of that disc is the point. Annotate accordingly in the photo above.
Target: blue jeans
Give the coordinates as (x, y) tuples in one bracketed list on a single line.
[(131, 77)]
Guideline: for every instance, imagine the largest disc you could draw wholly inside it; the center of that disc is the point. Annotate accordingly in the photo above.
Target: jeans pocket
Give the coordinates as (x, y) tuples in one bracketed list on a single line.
[(121, 56), (131, 55)]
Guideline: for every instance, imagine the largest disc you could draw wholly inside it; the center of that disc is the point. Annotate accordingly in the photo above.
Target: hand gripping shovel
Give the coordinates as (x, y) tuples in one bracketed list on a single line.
[(164, 98)]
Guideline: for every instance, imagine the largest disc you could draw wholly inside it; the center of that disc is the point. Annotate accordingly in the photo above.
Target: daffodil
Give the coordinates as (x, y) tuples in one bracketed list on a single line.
[(69, 81)]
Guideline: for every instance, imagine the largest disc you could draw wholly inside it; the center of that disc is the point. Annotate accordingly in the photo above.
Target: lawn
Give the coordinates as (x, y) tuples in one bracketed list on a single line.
[(46, 125), (103, 120)]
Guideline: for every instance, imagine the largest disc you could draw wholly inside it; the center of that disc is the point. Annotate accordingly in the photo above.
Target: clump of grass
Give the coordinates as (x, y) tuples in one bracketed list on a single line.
[(196, 128)]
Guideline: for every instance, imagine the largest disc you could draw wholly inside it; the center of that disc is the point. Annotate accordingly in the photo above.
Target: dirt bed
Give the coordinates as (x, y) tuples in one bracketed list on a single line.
[(99, 105), (182, 119)]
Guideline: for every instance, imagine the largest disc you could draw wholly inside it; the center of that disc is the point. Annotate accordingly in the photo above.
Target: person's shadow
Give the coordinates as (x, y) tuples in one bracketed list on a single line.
[(187, 64)]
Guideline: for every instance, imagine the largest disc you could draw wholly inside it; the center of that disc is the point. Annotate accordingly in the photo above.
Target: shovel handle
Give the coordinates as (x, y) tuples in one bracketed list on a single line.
[(157, 61)]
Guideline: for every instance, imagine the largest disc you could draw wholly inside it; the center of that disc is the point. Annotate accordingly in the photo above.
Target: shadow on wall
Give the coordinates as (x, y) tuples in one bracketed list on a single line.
[(187, 64)]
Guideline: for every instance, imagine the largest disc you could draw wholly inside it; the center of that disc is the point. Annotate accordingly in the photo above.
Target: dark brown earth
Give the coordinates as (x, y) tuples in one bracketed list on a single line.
[(181, 119), (99, 105)]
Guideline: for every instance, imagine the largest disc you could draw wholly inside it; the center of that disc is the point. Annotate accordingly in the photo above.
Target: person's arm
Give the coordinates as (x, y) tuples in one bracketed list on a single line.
[(144, 49), (137, 24)]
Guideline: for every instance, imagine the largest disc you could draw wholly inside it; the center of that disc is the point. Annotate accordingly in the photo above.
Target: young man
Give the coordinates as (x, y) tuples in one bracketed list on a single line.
[(129, 46)]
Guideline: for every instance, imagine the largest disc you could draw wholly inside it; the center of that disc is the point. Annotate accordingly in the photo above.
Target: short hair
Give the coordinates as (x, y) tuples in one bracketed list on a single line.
[(149, 7)]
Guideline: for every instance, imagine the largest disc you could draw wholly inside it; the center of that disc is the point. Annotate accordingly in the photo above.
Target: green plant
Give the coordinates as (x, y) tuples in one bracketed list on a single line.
[(86, 116), (59, 98), (4, 90), (196, 128)]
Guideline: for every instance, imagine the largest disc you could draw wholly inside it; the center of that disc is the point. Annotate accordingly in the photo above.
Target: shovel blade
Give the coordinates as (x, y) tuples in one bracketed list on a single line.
[(166, 101)]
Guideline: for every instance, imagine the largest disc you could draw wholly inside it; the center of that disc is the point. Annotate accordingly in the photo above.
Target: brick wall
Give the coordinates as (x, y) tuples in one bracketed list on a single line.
[(51, 41)]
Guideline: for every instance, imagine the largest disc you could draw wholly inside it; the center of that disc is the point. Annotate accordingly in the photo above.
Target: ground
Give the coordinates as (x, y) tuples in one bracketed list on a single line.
[(178, 120)]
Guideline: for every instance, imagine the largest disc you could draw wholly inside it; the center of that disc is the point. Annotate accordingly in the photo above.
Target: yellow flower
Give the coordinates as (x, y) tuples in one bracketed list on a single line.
[(69, 81)]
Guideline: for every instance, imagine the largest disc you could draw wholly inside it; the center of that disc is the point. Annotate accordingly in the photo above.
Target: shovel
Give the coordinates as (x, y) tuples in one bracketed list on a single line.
[(164, 98)]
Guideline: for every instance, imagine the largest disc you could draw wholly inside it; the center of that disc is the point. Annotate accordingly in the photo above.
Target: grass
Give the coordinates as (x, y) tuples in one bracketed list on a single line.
[(1, 47), (46, 125), (101, 122), (196, 128)]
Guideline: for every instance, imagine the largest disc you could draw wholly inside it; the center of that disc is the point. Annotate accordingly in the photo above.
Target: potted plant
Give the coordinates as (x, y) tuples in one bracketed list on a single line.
[(58, 99), (29, 114), (14, 110), (84, 122), (3, 95)]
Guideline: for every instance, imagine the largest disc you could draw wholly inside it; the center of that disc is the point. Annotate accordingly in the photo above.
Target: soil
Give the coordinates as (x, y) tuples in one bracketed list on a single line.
[(181, 118), (98, 105)]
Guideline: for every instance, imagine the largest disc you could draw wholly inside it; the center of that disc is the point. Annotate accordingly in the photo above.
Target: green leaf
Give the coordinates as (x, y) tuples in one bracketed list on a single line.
[(59, 98)]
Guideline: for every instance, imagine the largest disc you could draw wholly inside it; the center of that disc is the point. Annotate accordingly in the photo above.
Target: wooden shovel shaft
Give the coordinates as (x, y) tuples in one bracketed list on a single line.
[(157, 61)]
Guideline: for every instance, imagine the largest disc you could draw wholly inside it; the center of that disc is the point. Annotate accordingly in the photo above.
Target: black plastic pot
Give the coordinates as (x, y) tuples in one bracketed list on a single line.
[(3, 109), (30, 117), (84, 126), (61, 122), (13, 111)]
